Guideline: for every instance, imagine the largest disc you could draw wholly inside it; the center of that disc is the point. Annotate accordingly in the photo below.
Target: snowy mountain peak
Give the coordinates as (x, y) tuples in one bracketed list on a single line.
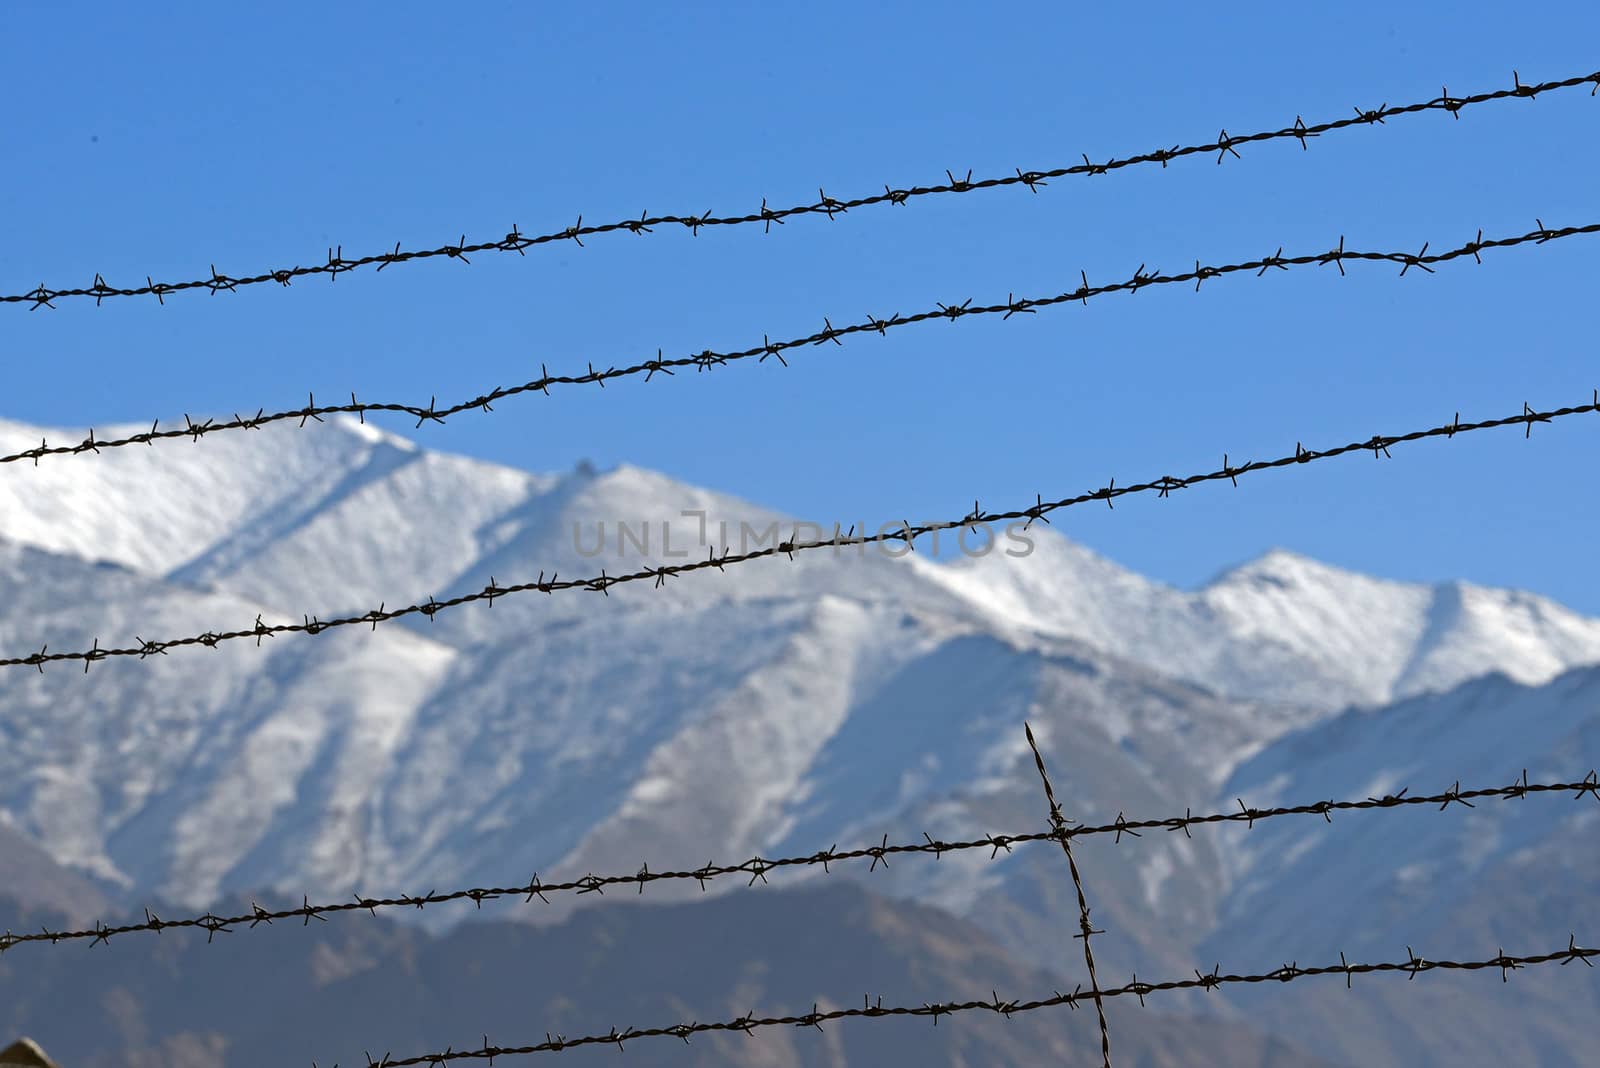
[(775, 708), (364, 431), (1282, 626), (343, 515), (638, 495), (1282, 567)]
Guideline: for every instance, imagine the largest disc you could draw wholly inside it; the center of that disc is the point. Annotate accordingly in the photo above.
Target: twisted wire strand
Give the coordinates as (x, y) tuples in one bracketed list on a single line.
[(906, 532), (756, 868), (43, 296), (1412, 966), (708, 359), (1059, 823)]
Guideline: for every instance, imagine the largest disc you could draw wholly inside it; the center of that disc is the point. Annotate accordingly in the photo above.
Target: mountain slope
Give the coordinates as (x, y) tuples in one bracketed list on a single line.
[(778, 708), (1485, 733), (342, 516), (362, 984), (1282, 627), (31, 879), (180, 773), (1517, 873), (152, 509), (781, 704)]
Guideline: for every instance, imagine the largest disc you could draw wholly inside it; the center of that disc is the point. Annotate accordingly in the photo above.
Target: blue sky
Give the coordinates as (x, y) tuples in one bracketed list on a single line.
[(159, 143)]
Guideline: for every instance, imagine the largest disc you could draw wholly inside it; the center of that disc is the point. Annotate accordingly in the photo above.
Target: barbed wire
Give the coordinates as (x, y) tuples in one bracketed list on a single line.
[(707, 359), (518, 242), (757, 868), (1412, 966), (1058, 824), (906, 532)]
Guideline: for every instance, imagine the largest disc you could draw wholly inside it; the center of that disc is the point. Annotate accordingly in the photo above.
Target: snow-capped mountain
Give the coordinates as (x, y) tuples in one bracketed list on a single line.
[(1488, 732), (1519, 875), (1283, 626), (779, 707), (189, 769), (344, 516)]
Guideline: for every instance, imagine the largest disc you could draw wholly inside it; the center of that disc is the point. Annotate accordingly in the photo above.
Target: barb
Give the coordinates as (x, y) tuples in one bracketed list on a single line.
[(1085, 928), (756, 868), (518, 242), (1412, 966), (707, 358), (902, 532)]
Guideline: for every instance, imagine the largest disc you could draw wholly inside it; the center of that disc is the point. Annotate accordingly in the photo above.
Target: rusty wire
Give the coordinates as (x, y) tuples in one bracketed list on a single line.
[(756, 868), (518, 242), (706, 359), (906, 532), (1412, 966)]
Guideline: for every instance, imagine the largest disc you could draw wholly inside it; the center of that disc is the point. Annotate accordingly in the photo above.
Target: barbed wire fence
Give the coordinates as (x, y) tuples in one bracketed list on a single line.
[(757, 868), (1412, 966), (1061, 830), (1058, 823), (708, 359), (1225, 145), (902, 531)]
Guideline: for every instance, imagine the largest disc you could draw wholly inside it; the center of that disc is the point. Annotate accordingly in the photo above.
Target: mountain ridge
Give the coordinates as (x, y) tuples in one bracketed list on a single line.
[(368, 517), (774, 709)]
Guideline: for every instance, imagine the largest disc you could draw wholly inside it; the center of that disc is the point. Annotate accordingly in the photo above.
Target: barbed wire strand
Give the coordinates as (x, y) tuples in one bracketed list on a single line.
[(1412, 966), (518, 242), (756, 868), (1058, 823), (708, 359), (906, 532)]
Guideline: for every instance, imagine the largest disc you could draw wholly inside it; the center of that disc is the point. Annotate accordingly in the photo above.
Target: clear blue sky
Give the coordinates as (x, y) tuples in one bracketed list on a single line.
[(160, 141)]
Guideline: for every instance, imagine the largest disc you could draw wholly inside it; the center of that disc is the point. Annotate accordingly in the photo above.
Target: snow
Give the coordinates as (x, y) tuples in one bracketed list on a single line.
[(781, 707), (1486, 733), (1282, 627), (151, 508)]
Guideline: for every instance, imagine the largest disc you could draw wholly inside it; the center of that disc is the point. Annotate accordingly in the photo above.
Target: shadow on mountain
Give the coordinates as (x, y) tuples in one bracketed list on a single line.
[(335, 991)]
